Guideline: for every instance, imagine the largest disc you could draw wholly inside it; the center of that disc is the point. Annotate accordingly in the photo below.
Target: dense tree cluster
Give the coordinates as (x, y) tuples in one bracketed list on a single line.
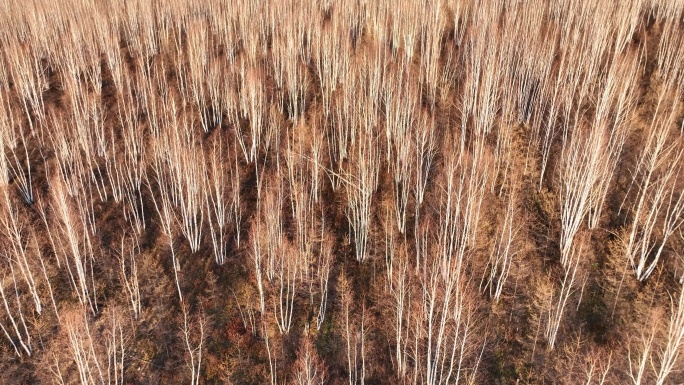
[(330, 192)]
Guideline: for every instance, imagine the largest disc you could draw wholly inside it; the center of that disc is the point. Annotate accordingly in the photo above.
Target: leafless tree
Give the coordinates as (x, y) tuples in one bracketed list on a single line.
[(78, 248), (252, 105), (130, 248), (354, 330), (324, 266), (30, 80), (674, 339), (193, 339), (309, 369), (505, 247), (96, 349), (19, 328), (361, 184), (167, 218), (660, 202), (18, 246), (217, 201), (400, 284), (10, 137), (558, 304)]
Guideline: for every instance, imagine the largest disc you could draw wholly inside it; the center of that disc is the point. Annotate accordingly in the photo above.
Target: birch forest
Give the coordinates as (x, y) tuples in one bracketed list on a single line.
[(333, 192)]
